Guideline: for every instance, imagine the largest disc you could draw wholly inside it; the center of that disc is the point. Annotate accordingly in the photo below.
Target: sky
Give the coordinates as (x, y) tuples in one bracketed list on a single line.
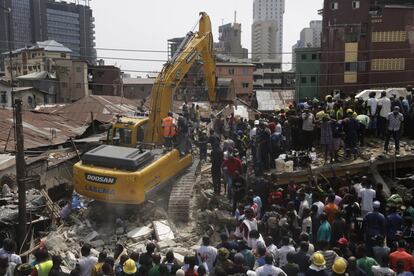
[(147, 25)]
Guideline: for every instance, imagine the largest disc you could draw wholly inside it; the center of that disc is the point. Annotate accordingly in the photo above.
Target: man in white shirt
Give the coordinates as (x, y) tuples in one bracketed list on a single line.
[(87, 261), (284, 250), (8, 249), (207, 253), (372, 104), (384, 104), (367, 196), (269, 269), (304, 204), (394, 122), (307, 129)]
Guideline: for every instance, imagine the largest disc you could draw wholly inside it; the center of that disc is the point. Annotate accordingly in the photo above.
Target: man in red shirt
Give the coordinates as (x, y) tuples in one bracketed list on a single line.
[(230, 166), (401, 255)]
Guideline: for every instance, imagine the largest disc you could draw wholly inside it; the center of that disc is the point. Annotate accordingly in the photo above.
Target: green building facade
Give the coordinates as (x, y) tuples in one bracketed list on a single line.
[(307, 73)]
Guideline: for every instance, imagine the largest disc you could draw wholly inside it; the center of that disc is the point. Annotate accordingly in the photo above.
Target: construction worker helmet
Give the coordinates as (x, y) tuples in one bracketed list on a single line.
[(318, 259), (339, 266), (129, 267)]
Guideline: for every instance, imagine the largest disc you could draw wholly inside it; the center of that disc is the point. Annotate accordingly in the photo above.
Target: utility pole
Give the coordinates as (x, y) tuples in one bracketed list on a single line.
[(20, 172)]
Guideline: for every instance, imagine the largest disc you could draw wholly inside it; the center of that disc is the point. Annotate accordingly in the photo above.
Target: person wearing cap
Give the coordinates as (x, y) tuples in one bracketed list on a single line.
[(374, 224), (343, 247), (169, 130), (339, 267), (318, 265), (394, 122), (384, 107), (129, 267)]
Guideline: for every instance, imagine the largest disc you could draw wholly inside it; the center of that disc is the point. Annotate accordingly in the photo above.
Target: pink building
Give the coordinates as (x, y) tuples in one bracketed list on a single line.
[(240, 73)]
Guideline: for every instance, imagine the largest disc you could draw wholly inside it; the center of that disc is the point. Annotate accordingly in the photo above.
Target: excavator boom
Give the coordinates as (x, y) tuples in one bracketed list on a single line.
[(196, 44)]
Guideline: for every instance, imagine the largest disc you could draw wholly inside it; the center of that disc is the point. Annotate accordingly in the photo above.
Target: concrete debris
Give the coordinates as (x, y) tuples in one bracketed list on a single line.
[(162, 230), (91, 236), (139, 233), (165, 244)]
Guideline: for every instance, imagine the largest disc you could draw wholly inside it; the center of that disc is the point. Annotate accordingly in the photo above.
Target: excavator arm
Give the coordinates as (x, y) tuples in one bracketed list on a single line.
[(195, 44)]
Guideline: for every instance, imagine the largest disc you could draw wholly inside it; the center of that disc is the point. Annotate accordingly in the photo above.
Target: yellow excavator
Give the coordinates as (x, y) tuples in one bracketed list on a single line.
[(134, 165)]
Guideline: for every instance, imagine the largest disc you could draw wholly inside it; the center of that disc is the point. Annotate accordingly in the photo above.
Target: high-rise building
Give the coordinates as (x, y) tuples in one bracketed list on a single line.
[(270, 10), (264, 43), (310, 37), (230, 41), (39, 20)]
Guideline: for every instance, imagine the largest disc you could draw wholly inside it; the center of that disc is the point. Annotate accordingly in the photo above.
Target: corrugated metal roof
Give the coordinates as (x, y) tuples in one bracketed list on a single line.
[(39, 129), (37, 76), (130, 81), (103, 109)]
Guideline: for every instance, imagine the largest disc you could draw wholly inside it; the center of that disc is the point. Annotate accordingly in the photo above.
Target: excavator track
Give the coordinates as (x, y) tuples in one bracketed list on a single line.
[(181, 193)]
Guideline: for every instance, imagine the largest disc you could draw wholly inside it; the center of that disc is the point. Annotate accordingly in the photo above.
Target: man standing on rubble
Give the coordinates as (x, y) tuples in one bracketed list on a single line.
[(216, 160), (169, 130), (394, 121)]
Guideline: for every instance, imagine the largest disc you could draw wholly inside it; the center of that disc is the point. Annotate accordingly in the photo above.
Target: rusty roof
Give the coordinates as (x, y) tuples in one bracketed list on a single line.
[(101, 108), (39, 129)]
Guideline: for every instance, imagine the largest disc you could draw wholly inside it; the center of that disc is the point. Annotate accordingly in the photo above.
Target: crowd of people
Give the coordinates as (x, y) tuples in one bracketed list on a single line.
[(345, 226)]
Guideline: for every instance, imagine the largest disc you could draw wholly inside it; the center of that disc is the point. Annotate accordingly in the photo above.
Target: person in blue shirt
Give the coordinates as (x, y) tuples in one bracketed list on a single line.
[(374, 224), (324, 231), (394, 223)]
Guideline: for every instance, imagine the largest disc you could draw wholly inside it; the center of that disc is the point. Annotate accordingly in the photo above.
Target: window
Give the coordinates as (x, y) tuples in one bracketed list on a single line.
[(355, 4), (351, 66), (392, 36), (334, 5), (231, 71), (313, 56), (388, 64), (63, 55), (78, 85), (64, 84), (303, 56), (3, 97), (313, 79), (303, 79), (78, 69), (122, 136), (362, 66), (245, 84)]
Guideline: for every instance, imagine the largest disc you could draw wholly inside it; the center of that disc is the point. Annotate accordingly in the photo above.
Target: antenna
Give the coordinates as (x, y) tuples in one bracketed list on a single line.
[(235, 17)]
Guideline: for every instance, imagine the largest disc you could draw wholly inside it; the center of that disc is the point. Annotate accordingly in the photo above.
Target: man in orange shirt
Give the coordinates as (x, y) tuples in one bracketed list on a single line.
[(331, 208), (400, 255)]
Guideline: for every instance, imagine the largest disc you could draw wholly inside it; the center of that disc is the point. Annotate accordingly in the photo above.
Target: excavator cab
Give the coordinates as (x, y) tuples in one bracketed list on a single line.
[(127, 132)]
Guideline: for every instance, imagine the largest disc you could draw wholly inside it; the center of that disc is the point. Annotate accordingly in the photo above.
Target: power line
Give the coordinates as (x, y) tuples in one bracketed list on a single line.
[(250, 53)]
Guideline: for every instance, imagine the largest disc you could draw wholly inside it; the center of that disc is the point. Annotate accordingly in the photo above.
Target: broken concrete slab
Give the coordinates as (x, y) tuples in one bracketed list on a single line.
[(166, 244), (98, 243), (163, 230), (91, 236), (139, 233)]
